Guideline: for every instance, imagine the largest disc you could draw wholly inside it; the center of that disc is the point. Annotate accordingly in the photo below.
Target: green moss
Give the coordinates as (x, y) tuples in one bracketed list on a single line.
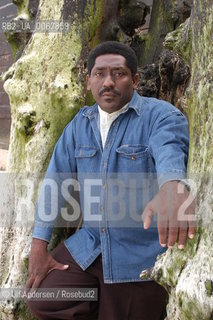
[(25, 123), (89, 98), (176, 261), (46, 90), (26, 263), (192, 41), (160, 24), (58, 236), (94, 15), (18, 40), (209, 288), (22, 7), (21, 312), (191, 310), (147, 42), (11, 39), (47, 81), (180, 41), (200, 131), (180, 302)]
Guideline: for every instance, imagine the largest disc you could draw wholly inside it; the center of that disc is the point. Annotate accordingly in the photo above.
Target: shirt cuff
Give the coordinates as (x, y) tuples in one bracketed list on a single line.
[(170, 176), (42, 233)]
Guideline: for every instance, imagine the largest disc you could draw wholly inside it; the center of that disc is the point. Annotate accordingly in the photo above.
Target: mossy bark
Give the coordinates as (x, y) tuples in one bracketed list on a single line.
[(187, 274), (46, 88), (45, 91)]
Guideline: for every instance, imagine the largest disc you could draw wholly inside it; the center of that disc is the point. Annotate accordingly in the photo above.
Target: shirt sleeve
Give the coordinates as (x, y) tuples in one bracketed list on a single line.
[(169, 144), (61, 169)]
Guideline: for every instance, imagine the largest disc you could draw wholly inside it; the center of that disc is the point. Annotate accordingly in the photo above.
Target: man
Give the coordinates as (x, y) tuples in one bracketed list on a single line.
[(123, 143)]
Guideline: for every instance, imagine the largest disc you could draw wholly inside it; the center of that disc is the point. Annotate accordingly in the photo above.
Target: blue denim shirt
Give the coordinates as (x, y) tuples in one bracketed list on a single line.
[(145, 147)]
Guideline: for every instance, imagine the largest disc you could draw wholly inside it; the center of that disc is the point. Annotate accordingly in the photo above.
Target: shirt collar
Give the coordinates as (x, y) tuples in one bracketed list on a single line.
[(135, 104), (114, 114)]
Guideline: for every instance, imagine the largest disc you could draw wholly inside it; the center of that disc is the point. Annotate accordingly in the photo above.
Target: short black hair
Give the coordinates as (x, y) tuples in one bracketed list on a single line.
[(113, 47)]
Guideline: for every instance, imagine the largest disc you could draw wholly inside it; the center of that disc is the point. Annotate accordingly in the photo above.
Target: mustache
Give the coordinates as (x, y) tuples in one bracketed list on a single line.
[(106, 89)]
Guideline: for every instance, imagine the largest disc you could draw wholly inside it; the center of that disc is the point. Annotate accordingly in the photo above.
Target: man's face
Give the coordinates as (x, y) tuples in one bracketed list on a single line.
[(111, 82)]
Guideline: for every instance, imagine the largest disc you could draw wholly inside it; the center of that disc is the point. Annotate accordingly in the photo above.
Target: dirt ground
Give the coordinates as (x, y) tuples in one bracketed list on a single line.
[(3, 159)]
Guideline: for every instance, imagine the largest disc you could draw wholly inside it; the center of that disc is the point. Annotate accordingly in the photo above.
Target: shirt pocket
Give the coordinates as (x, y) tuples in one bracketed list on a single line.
[(85, 151), (133, 158), (133, 152), (86, 158), (135, 180)]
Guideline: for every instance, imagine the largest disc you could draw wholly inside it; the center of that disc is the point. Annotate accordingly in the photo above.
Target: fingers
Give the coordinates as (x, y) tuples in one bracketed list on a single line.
[(162, 231), (147, 216), (182, 235), (192, 228), (55, 265), (173, 230), (186, 213), (34, 282), (59, 266), (38, 281), (191, 232), (176, 215), (175, 233), (38, 275), (29, 283), (170, 230), (170, 235)]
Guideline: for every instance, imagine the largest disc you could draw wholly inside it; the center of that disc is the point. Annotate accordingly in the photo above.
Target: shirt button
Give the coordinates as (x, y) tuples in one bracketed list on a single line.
[(101, 208), (104, 186), (103, 229)]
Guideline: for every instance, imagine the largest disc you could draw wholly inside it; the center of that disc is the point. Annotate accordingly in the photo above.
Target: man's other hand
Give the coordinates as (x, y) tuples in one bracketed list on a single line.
[(40, 264), (175, 208)]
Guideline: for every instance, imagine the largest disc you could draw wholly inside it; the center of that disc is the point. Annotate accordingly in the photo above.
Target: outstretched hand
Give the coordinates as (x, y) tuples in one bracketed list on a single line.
[(40, 264), (175, 208)]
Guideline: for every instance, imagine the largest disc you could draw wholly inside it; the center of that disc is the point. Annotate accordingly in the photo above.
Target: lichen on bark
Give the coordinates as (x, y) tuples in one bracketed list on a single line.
[(45, 93), (46, 87), (187, 275)]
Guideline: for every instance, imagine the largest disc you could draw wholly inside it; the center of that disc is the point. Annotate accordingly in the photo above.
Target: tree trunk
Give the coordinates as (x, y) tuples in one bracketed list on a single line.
[(46, 87), (46, 90), (187, 274)]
